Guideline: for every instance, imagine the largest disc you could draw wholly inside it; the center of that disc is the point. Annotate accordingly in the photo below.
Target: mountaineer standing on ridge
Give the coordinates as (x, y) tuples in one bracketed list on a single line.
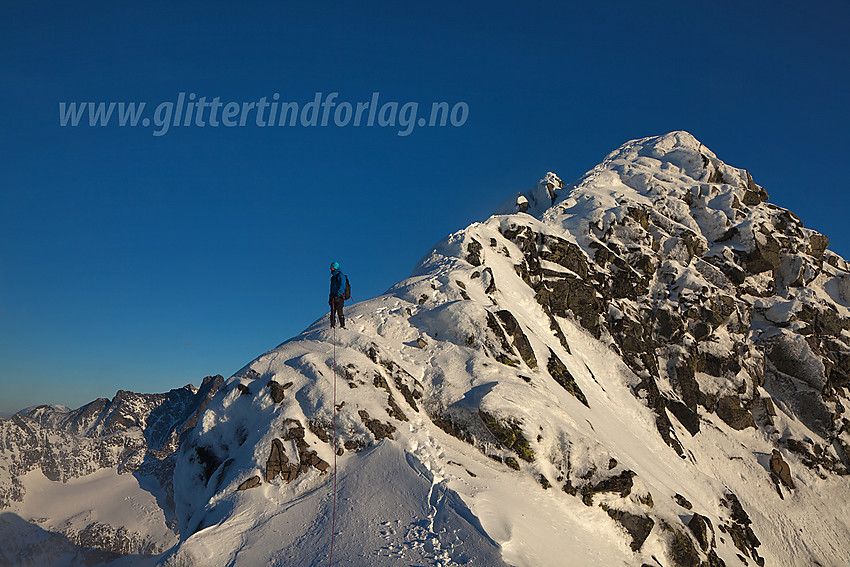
[(339, 291)]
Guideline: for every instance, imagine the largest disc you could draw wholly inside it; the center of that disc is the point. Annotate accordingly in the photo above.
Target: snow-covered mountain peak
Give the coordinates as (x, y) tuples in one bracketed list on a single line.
[(666, 147), (676, 158), (655, 172)]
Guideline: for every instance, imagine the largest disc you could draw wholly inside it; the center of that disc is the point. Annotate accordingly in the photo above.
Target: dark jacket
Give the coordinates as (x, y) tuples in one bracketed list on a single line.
[(337, 284)]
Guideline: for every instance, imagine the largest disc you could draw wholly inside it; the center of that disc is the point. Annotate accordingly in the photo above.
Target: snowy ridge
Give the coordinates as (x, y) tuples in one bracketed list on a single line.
[(646, 367)]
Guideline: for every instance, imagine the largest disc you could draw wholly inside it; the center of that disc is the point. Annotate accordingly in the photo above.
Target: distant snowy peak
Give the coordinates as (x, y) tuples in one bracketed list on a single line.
[(122, 432)]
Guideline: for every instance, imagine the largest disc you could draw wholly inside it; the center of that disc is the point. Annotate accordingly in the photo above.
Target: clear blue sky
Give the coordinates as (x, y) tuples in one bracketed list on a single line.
[(141, 262)]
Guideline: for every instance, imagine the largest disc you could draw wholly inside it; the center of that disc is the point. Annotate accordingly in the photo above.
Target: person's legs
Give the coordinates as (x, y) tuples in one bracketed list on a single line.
[(332, 303), (339, 303)]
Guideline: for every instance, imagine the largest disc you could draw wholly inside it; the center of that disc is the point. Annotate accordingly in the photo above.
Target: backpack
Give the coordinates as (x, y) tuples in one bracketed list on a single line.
[(347, 294)]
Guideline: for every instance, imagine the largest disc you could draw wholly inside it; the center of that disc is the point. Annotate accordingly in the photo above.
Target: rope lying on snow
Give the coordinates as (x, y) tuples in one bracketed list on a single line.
[(333, 515)]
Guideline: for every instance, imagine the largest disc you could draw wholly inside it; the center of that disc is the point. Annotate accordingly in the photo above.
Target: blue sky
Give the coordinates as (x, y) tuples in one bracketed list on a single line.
[(141, 262)]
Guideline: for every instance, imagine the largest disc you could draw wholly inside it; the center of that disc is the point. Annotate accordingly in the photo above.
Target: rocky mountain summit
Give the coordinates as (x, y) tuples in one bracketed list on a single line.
[(714, 297), (648, 366)]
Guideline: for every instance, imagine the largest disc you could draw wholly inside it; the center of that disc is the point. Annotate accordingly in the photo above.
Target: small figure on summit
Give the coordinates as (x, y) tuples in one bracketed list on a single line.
[(340, 291)]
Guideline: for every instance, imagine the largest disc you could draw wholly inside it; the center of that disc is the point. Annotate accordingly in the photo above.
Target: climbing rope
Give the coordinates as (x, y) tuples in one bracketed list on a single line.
[(333, 515)]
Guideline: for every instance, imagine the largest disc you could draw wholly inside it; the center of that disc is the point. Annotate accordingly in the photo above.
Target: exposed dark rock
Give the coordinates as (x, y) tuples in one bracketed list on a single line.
[(556, 329), (626, 282), (473, 250), (355, 445), (780, 469), (729, 409), (494, 326), (108, 542), (683, 502), (739, 528), (814, 455), (818, 244), (666, 324), (252, 482), (293, 430), (491, 285), (408, 394), (714, 560), (620, 484), (648, 389), (823, 320), (574, 295), (718, 366), (765, 254), (445, 422), (506, 360), (508, 433), (243, 390), (379, 429), (683, 551), (512, 463), (320, 429), (372, 353), (638, 527), (521, 204), (393, 410), (278, 463), (562, 376), (277, 391), (520, 340), (702, 529), (564, 253), (687, 417), (314, 460)]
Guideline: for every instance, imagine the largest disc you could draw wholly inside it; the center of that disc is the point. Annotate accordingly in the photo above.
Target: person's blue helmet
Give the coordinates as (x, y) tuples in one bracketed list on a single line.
[(334, 265)]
